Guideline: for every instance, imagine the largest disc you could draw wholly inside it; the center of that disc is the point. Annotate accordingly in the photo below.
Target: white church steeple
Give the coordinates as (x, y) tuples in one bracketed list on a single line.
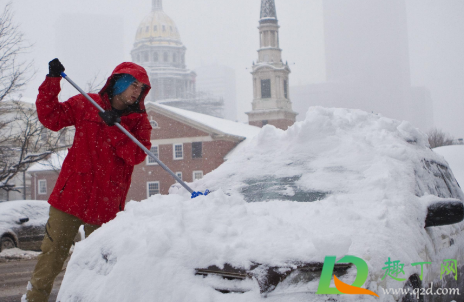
[(271, 95)]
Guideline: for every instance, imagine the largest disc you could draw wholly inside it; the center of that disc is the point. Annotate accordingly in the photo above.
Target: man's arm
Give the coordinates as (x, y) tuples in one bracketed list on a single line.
[(53, 114), (125, 147)]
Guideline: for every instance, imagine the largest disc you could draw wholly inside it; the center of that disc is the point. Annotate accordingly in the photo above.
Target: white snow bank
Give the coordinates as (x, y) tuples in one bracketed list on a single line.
[(454, 155), (377, 188), (17, 254)]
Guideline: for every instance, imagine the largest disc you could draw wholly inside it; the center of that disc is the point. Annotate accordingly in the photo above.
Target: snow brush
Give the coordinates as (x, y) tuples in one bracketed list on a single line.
[(148, 152)]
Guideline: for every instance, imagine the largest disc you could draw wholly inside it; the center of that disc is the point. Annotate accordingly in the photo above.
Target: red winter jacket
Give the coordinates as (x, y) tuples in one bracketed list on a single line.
[(96, 173)]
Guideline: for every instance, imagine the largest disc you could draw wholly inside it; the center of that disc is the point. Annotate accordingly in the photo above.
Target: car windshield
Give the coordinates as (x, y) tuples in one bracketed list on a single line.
[(274, 188)]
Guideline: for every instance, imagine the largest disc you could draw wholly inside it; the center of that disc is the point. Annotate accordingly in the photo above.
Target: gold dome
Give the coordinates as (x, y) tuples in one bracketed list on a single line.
[(157, 29)]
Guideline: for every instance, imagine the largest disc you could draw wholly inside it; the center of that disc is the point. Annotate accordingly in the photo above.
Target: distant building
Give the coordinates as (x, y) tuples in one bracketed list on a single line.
[(44, 175), (204, 103), (218, 81), (159, 49), (271, 96), (367, 63), (189, 143)]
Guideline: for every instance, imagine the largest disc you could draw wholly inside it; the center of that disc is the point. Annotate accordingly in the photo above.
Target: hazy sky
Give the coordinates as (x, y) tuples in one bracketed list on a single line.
[(225, 32)]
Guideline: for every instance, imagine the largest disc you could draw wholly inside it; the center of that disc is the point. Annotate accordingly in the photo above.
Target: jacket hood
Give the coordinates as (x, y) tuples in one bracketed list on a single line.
[(134, 70)]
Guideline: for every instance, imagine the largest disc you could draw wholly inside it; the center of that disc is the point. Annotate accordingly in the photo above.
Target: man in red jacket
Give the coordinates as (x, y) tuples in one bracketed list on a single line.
[(96, 174)]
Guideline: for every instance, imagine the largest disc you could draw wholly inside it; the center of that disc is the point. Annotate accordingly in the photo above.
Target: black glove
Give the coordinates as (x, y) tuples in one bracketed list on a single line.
[(110, 117), (55, 68)]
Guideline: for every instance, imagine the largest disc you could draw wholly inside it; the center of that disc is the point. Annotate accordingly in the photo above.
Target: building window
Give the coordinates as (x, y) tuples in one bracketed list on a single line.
[(63, 136), (42, 186), (153, 188), (255, 88), (155, 28), (155, 57), (265, 122), (196, 149), (164, 28), (174, 57), (265, 89), (179, 174), (145, 56), (137, 58), (43, 134), (178, 151), (147, 28), (285, 89), (166, 57), (154, 124), (150, 160), (171, 28), (197, 175)]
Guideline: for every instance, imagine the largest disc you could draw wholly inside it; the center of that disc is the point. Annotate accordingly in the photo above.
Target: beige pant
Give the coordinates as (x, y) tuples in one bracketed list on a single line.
[(60, 231)]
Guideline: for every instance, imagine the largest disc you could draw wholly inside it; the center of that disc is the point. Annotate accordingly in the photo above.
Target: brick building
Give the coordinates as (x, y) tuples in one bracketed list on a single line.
[(189, 143)]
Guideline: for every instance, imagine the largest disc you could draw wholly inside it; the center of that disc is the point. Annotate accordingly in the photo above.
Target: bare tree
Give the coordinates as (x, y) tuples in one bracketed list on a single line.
[(438, 138), (14, 74), (23, 140), (95, 84)]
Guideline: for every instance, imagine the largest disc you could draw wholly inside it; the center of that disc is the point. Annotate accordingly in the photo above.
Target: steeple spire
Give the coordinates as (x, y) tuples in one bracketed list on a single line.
[(157, 5), (268, 9), (271, 96)]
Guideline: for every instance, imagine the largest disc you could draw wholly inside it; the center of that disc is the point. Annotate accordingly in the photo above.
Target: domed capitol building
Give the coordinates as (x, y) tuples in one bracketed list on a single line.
[(159, 49)]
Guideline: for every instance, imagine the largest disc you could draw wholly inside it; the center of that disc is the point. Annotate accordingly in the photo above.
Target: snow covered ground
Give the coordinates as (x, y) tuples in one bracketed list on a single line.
[(17, 254), (369, 184), (454, 155)]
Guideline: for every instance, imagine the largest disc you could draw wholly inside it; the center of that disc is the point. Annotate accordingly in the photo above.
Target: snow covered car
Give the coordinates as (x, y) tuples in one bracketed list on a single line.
[(343, 184), (22, 224)]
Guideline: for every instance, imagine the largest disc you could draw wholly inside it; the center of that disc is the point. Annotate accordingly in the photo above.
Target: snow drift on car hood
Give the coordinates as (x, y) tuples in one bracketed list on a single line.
[(370, 168)]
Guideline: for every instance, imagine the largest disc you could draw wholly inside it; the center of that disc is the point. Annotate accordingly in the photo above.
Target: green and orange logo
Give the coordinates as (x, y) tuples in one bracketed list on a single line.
[(340, 286)]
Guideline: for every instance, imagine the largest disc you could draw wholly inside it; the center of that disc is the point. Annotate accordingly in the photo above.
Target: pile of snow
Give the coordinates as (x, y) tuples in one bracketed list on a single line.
[(377, 187), (17, 254), (454, 155)]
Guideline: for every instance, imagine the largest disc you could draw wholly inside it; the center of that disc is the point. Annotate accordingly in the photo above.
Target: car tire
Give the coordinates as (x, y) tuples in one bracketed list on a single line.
[(413, 283), (6, 243)]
